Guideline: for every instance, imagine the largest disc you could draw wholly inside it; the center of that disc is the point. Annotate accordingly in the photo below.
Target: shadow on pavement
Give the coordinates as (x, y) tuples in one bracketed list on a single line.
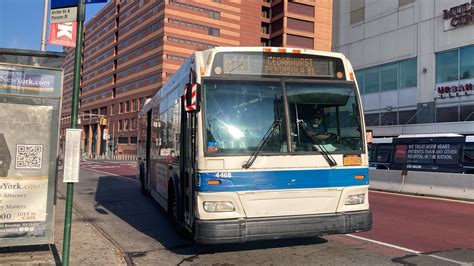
[(124, 199)]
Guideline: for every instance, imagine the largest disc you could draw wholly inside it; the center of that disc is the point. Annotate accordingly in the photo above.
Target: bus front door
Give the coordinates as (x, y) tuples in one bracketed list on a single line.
[(187, 165)]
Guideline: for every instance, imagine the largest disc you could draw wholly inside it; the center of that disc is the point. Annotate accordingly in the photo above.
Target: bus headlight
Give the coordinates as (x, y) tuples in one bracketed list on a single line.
[(218, 206), (355, 199)]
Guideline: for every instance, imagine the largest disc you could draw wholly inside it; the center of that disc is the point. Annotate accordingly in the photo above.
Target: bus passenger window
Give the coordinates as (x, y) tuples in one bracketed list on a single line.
[(468, 157)]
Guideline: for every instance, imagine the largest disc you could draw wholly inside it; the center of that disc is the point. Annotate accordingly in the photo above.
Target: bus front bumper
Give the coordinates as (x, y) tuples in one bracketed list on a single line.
[(242, 230)]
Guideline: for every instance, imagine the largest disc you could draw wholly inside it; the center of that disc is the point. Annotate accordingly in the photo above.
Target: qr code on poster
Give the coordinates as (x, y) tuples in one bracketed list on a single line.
[(29, 156)]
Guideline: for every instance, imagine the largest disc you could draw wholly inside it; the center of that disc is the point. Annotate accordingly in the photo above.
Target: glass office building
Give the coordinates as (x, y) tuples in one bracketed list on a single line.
[(414, 63)]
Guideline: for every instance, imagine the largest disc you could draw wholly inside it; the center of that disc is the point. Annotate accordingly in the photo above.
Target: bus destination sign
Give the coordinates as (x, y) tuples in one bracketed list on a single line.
[(274, 64)]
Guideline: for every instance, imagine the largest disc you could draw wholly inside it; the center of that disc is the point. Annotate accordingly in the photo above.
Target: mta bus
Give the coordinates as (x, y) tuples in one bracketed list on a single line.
[(229, 149), (448, 152)]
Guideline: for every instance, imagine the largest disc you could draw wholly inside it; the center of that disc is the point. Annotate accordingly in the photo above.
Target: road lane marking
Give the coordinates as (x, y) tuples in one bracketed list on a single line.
[(107, 173), (407, 249), (423, 197)]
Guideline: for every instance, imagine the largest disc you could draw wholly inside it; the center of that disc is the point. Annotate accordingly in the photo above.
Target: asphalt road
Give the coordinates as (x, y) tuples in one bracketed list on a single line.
[(407, 230)]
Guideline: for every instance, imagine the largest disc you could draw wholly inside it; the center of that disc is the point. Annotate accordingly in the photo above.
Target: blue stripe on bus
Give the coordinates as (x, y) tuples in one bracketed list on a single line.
[(284, 179)]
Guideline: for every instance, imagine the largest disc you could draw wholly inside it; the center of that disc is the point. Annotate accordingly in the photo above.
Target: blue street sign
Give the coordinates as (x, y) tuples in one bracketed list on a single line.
[(63, 3), (95, 1), (55, 4)]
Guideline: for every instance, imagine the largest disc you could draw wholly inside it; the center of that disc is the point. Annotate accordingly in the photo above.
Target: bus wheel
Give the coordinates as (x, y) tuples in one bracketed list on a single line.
[(142, 181), (181, 230)]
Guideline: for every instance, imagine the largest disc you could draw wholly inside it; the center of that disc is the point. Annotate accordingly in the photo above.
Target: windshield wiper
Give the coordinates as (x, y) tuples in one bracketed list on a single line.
[(262, 143), (328, 157)]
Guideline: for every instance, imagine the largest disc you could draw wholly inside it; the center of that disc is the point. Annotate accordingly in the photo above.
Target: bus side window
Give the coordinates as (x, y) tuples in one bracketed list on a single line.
[(373, 152), (468, 153), (384, 153)]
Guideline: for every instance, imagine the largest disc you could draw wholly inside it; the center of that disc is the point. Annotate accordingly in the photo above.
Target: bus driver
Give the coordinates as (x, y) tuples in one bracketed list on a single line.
[(314, 127)]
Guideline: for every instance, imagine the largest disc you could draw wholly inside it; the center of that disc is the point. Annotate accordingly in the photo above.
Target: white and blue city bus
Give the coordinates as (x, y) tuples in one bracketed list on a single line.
[(236, 155)]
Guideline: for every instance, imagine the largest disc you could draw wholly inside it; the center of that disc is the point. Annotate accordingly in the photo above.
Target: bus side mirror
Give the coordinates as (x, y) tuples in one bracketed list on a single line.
[(192, 97)]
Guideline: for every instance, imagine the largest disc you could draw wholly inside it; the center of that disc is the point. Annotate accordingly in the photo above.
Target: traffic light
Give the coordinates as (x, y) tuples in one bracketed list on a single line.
[(103, 121)]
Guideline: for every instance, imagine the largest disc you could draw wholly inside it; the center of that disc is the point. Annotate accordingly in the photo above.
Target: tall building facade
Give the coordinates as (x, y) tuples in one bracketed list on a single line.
[(132, 47), (414, 62)]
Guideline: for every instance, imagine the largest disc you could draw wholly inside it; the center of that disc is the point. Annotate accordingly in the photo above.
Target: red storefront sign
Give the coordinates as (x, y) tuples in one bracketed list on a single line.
[(454, 90), (63, 34)]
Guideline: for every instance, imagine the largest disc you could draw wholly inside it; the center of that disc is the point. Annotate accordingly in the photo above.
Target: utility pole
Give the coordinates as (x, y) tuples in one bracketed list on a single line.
[(74, 115), (45, 24)]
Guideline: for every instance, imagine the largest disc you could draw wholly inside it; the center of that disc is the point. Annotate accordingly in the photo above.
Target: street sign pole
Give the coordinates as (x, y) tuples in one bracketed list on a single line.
[(74, 116)]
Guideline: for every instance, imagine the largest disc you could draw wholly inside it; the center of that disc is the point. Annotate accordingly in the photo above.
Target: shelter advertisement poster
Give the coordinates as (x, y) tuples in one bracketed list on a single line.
[(18, 79), (24, 167)]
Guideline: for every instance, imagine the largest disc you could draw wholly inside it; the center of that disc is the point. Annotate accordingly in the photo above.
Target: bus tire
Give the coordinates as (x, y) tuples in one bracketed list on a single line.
[(143, 186), (181, 230)]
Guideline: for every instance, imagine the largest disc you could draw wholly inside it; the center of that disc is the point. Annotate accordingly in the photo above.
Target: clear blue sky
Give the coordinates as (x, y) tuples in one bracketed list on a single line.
[(21, 23)]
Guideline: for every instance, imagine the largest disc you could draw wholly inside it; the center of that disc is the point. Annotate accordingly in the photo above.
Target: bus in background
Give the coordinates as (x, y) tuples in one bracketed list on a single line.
[(451, 153), (381, 153), (257, 143)]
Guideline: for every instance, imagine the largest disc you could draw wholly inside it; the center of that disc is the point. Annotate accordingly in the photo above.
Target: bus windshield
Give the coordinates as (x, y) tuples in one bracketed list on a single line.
[(323, 117), (239, 113)]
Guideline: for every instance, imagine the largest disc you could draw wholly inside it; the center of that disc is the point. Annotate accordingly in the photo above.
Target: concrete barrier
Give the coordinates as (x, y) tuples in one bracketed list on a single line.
[(440, 184), (389, 180), (425, 183)]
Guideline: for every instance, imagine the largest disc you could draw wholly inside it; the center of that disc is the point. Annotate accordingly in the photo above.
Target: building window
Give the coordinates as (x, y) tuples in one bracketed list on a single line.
[(405, 2), (134, 105), (467, 113), (120, 125), (299, 41), (447, 114), (447, 66), (467, 62), (133, 140), (408, 73), (301, 25), (214, 15), (103, 111), (277, 9), (372, 119), (396, 75), (357, 8), (406, 117), (211, 13), (277, 25), (372, 80), (265, 28), (125, 124), (265, 12), (360, 80), (141, 103), (301, 9), (389, 77), (127, 106), (123, 140), (214, 31), (388, 118)]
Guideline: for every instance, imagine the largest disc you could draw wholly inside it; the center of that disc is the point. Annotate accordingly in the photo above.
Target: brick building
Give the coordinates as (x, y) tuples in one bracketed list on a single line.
[(132, 47)]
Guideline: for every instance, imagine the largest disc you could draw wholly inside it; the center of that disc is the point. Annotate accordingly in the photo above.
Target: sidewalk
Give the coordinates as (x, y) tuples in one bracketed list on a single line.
[(88, 245)]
